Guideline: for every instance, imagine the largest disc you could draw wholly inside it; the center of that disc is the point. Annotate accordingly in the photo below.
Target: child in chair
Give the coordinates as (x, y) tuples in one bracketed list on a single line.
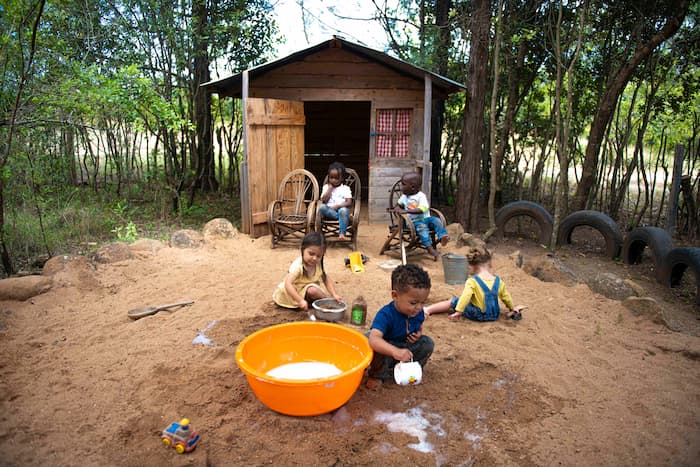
[(479, 299), (336, 197), (396, 334), (306, 281), (415, 203)]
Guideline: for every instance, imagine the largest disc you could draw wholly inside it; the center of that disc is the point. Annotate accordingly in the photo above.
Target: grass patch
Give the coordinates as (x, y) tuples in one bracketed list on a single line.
[(80, 221)]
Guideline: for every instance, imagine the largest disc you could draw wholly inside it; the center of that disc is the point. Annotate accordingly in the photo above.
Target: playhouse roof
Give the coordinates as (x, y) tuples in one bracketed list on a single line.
[(231, 86)]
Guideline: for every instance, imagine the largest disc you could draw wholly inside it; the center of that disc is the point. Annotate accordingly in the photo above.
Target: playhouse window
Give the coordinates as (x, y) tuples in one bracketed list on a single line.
[(393, 132)]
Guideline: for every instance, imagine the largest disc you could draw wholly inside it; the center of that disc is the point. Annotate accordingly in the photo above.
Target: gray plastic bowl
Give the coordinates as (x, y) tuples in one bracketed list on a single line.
[(328, 309)]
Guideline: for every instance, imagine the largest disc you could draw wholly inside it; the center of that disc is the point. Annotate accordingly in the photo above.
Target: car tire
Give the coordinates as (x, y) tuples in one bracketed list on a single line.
[(599, 221), (677, 262), (526, 208), (656, 239)]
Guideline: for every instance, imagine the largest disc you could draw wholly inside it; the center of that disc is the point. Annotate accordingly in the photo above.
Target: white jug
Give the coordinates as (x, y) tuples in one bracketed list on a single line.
[(406, 373)]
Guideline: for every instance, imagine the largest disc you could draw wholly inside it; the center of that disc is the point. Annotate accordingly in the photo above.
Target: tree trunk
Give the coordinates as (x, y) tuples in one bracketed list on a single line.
[(614, 88), (493, 127), (691, 207), (563, 125), (206, 173), (5, 257), (473, 134), (672, 212), (442, 10)]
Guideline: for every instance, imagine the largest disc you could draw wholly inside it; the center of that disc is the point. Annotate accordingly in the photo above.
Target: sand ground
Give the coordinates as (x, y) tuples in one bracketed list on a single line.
[(579, 381)]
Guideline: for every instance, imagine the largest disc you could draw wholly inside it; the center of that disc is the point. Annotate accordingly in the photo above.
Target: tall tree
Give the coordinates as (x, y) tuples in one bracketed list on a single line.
[(205, 178), (523, 54), (655, 22), (467, 203), (493, 127), (563, 52), (442, 46), (25, 24)]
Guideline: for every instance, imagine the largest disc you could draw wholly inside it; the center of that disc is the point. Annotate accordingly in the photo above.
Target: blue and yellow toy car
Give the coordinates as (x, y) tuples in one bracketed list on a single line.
[(181, 436)]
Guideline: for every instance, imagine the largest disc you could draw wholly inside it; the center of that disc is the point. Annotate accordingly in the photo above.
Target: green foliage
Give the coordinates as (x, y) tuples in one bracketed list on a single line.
[(193, 211), (72, 227), (77, 221), (127, 233)]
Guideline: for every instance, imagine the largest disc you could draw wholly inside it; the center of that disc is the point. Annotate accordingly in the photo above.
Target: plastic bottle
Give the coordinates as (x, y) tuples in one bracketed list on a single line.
[(358, 315)]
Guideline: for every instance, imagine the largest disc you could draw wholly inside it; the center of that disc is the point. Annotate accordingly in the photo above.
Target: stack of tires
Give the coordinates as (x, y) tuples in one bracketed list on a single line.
[(670, 264)]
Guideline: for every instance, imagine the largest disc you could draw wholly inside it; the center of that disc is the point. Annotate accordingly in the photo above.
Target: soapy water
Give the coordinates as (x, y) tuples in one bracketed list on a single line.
[(413, 423), (202, 338), (304, 370), (474, 438)]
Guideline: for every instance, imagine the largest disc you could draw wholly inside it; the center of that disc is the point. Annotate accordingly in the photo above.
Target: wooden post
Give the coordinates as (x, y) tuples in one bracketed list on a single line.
[(427, 117), (689, 200), (672, 212), (246, 214)]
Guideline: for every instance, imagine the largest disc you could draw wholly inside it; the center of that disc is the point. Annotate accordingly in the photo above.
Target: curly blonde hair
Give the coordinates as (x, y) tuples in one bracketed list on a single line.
[(478, 255)]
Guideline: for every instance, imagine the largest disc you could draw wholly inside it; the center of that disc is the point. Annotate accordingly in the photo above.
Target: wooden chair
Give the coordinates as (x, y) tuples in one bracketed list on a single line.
[(292, 213), (329, 228), (402, 229)]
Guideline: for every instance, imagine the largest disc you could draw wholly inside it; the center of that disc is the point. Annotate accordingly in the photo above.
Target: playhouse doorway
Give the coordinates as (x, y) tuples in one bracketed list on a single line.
[(337, 131)]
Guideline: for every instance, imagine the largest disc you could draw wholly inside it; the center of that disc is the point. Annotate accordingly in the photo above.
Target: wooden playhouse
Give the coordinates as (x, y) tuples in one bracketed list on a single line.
[(334, 101)]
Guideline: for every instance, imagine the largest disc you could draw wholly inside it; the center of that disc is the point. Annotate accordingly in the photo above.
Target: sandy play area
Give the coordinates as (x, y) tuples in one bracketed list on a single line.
[(579, 381)]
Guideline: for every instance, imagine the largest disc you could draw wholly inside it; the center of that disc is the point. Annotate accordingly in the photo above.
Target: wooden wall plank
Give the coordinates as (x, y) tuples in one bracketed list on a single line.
[(390, 98), (342, 81)]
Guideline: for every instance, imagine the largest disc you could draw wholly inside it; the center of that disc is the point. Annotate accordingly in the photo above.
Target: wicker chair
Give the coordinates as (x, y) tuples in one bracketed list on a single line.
[(291, 215), (402, 230), (330, 228)]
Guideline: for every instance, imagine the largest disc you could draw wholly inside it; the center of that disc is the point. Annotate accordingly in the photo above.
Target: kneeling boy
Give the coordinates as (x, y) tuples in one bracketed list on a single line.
[(396, 334)]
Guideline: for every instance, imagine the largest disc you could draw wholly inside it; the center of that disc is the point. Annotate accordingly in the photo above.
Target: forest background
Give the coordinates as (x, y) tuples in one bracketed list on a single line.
[(106, 134)]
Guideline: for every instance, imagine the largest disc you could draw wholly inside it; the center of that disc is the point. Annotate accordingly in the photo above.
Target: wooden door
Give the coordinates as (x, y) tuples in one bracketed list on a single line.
[(274, 146)]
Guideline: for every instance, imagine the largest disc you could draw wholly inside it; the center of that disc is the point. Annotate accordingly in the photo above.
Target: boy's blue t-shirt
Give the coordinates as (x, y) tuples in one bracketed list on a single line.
[(394, 325)]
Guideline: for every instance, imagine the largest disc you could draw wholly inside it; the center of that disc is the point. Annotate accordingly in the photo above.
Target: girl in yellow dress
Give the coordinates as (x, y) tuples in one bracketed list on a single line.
[(306, 281)]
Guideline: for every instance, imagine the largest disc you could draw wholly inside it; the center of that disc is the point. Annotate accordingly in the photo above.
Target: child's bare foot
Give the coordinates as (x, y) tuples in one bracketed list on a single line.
[(373, 384), (434, 252), (444, 240), (342, 237)]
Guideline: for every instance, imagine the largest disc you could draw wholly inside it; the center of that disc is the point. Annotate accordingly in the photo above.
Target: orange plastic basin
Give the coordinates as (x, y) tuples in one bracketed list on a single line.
[(300, 342)]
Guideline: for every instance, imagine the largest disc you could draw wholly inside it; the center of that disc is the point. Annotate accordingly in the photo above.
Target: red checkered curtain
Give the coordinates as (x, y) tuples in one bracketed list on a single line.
[(393, 132)]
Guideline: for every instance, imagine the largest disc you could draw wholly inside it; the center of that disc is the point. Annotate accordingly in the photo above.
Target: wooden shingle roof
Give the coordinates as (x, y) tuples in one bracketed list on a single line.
[(231, 86)]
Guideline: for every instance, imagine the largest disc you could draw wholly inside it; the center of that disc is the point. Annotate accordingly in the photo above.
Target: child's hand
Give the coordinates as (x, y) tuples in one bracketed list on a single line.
[(337, 298), (413, 337), (515, 312), (399, 210), (303, 305), (455, 315), (402, 355)]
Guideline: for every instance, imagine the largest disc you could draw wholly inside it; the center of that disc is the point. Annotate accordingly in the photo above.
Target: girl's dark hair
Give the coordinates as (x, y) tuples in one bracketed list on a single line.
[(340, 167), (314, 239), (478, 255)]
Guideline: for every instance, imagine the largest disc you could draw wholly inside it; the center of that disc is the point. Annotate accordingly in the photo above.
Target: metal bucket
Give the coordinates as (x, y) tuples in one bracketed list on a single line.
[(455, 267)]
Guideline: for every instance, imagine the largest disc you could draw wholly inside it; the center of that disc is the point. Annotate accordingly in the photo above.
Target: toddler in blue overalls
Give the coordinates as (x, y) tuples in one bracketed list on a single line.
[(482, 290)]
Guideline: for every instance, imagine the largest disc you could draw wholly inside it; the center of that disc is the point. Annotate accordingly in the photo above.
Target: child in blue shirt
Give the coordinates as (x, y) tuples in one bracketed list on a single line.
[(415, 203), (396, 333)]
